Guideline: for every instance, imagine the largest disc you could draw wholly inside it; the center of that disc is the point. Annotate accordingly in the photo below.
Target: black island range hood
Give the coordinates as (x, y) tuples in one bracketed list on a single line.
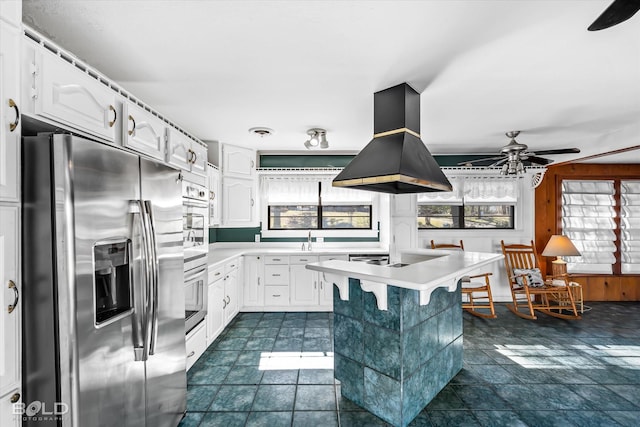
[(396, 160)]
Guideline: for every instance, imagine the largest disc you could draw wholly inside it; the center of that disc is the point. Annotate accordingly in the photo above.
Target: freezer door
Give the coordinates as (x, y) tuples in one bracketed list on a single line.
[(166, 366), (108, 288)]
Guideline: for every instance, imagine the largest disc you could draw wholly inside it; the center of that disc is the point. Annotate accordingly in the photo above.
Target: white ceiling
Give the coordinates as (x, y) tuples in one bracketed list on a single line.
[(218, 68)]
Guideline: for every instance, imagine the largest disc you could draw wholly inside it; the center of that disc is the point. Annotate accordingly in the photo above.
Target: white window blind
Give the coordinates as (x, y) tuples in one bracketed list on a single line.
[(290, 190), (588, 220), (337, 195), (630, 226), (444, 197), (497, 191)]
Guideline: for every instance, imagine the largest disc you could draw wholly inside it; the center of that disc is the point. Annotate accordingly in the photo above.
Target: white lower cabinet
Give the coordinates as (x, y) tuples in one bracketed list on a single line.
[(196, 344), (326, 288), (253, 281), (222, 297), (215, 309), (303, 282), (10, 290)]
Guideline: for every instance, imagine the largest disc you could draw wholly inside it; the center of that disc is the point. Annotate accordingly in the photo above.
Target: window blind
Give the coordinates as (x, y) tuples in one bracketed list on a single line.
[(497, 191), (291, 190), (339, 195), (588, 220), (630, 226), (444, 197)]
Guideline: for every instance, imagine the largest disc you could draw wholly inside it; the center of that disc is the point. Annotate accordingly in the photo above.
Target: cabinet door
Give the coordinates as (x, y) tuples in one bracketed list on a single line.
[(237, 202), (7, 417), (69, 96), (178, 149), (253, 281), (303, 286), (11, 12), (198, 158), (326, 288), (238, 161), (404, 205), (231, 295), (143, 131), (404, 235), (214, 195), (9, 106), (9, 293), (215, 309)]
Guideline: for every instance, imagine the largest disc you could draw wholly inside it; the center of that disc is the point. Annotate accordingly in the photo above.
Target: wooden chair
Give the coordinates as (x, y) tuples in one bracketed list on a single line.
[(529, 290), (472, 289)]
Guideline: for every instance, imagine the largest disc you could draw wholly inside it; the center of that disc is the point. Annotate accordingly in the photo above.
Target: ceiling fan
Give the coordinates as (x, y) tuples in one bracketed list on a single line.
[(617, 12), (514, 153)]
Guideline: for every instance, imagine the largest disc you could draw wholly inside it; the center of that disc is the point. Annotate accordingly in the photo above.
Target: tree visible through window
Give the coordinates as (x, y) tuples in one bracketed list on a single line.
[(465, 216)]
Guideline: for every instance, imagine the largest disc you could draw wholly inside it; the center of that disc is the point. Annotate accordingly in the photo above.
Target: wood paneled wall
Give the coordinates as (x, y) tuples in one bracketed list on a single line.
[(548, 221)]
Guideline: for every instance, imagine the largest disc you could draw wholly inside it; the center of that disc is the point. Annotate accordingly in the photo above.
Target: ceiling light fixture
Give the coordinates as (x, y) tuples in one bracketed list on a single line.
[(317, 138), (261, 131)]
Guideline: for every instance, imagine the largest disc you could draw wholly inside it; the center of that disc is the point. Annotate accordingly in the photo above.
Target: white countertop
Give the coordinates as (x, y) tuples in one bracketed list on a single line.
[(443, 268), (222, 254)]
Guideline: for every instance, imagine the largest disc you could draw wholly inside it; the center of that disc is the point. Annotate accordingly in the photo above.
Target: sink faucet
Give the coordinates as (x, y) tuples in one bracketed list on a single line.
[(309, 241)]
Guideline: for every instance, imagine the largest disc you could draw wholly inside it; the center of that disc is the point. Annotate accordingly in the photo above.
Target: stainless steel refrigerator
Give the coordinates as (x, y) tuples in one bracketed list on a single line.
[(103, 341)]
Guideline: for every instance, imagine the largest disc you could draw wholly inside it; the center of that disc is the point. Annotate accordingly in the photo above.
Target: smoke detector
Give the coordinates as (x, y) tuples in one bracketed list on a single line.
[(261, 131)]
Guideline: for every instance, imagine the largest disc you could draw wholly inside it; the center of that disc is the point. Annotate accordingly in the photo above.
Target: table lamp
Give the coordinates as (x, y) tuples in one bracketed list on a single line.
[(559, 246)]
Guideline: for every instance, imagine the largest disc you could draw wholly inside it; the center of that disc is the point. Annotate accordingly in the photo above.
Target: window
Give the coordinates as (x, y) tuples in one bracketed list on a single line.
[(465, 216), (319, 205)]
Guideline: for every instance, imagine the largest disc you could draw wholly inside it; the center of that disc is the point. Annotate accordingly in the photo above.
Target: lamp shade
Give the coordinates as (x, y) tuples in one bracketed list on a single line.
[(560, 246)]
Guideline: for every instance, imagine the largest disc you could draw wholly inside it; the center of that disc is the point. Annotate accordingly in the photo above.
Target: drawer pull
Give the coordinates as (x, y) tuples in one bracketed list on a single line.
[(277, 259), (232, 265), (217, 274), (191, 354), (277, 296), (276, 275), (304, 259)]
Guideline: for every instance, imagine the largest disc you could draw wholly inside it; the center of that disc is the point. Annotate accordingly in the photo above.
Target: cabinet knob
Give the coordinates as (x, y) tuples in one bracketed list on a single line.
[(15, 398)]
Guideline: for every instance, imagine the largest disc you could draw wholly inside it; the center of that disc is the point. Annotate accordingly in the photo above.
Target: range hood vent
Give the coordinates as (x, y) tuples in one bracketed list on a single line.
[(396, 160)]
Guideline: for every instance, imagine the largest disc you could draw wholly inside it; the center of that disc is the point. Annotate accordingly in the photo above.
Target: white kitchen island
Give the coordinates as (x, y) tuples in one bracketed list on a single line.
[(398, 328)]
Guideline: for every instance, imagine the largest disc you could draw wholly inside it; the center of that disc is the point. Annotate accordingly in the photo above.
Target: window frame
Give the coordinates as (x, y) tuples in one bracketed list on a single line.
[(461, 216), (320, 218)]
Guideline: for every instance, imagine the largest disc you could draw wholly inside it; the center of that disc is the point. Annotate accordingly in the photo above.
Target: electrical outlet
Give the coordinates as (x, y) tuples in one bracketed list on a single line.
[(257, 237)]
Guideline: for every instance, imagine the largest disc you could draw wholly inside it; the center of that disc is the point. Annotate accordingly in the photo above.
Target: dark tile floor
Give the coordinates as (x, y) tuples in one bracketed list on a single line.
[(269, 369)]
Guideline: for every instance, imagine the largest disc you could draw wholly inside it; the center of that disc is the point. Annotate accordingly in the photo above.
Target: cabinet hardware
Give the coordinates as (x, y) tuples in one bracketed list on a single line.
[(276, 259), (115, 116), (15, 398), (191, 354), (252, 202), (302, 259), (276, 296), (194, 157), (133, 129), (228, 300), (275, 275), (14, 125), (224, 302), (16, 296), (252, 164), (315, 285), (232, 265), (217, 274), (258, 281)]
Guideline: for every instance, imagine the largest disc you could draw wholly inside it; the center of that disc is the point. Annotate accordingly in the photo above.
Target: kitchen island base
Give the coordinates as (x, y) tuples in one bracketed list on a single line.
[(393, 362)]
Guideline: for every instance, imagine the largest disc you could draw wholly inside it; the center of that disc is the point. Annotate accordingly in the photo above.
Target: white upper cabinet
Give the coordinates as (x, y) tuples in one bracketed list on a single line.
[(238, 202), (142, 131), (11, 11), (404, 205), (64, 93), (214, 195), (185, 153), (9, 111), (238, 161)]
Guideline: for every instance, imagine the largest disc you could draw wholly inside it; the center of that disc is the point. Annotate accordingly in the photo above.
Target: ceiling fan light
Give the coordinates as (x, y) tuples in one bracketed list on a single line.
[(323, 141), (520, 168), (505, 169)]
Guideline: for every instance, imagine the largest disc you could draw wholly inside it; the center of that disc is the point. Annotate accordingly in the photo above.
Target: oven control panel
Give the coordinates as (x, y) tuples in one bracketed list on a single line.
[(192, 190)]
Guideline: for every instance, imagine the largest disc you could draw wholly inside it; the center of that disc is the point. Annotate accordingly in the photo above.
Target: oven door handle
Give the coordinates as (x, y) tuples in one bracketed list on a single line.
[(154, 275), (194, 273)]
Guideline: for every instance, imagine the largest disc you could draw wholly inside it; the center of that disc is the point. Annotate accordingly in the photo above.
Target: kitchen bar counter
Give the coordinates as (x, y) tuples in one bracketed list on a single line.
[(398, 330)]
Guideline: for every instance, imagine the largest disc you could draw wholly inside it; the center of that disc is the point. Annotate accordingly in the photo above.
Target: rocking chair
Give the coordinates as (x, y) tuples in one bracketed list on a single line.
[(530, 291), (470, 288)]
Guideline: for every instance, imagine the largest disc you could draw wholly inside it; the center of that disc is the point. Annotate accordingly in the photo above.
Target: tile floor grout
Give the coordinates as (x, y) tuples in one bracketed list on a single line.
[(483, 393)]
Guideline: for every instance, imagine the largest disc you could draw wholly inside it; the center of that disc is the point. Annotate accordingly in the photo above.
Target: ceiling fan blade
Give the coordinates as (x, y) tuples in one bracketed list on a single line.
[(617, 12), (498, 163), (486, 159), (539, 160), (558, 151)]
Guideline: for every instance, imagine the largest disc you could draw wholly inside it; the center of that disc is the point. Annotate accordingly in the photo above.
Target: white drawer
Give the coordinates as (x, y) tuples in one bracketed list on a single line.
[(303, 259), (216, 273), (276, 295), (196, 344), (231, 265), (276, 274), (276, 259), (330, 257)]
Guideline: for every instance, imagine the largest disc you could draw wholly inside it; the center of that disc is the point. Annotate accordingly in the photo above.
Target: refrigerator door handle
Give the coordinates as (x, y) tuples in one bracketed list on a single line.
[(154, 275), (139, 328)]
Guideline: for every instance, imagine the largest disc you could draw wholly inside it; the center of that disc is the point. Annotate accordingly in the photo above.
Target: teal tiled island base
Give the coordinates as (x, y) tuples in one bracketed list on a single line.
[(393, 362)]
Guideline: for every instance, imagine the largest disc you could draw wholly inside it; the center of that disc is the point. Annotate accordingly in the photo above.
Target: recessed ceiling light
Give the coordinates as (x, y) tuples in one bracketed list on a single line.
[(261, 131)]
